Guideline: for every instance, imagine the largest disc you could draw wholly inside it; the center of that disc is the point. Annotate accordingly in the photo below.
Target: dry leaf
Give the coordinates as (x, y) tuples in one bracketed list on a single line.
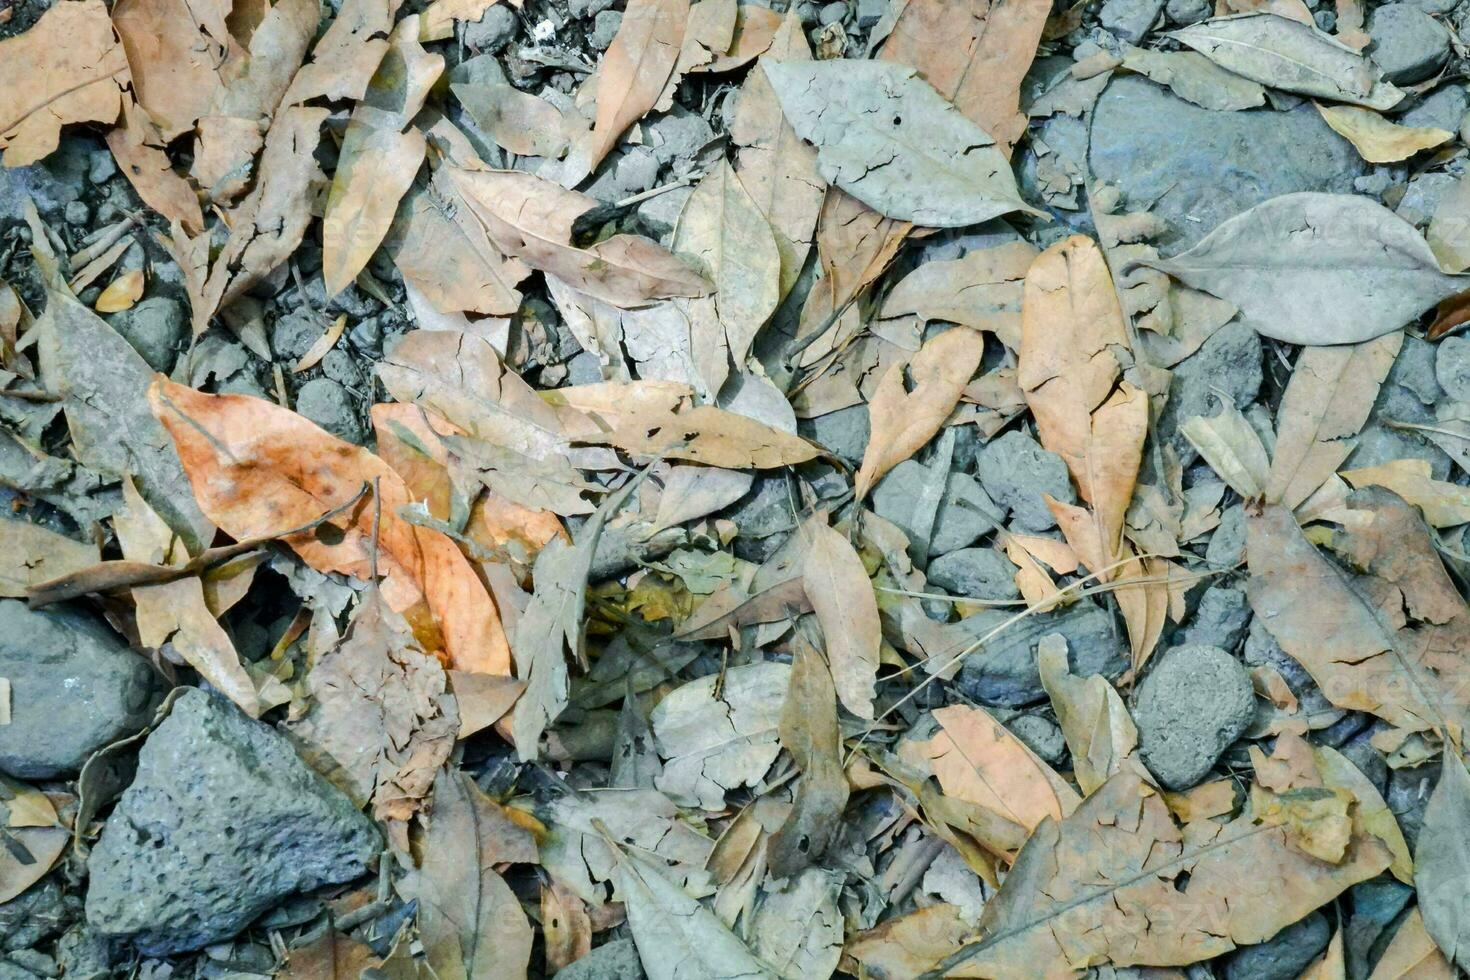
[(437, 20), (531, 219), (1097, 726), (332, 956), (837, 585), (708, 435), (1444, 504), (904, 420), (1449, 233), (470, 922), (1412, 955), (348, 54), (138, 150), (121, 293), (69, 67), (1376, 139), (981, 291), (1195, 78), (1119, 882), (258, 468), (1442, 862), (1331, 391), (860, 114), (1316, 269), (808, 730), (176, 613), (176, 51), (1232, 448), (30, 554), (632, 75)]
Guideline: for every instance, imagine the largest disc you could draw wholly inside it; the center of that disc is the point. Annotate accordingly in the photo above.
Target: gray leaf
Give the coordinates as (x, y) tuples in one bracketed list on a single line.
[(1317, 269), (1290, 56), (1442, 868), (888, 139)]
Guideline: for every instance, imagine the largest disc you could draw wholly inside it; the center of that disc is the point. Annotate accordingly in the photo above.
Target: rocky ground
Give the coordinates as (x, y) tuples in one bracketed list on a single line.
[(190, 840)]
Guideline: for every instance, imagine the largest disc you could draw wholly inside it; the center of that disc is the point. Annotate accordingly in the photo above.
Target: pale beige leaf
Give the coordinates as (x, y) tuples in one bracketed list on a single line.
[(904, 420), (1375, 138), (176, 50), (30, 554), (708, 435), (982, 290), (842, 596), (1231, 447), (176, 613), (437, 21), (344, 60), (1097, 726), (1449, 229), (1444, 504), (1412, 955), (69, 67), (121, 293)]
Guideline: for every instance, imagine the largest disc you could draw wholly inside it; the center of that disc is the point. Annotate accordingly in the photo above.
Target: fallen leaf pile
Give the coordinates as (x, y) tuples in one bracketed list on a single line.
[(733, 491)]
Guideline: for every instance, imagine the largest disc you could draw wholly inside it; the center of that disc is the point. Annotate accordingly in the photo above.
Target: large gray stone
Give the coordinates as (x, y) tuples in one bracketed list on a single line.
[(1408, 44), (74, 687), (1195, 167), (157, 329), (1283, 956), (222, 821), (980, 573), (1004, 672), (1019, 475), (1195, 702), (1452, 367), (617, 960), (1130, 19), (965, 511)]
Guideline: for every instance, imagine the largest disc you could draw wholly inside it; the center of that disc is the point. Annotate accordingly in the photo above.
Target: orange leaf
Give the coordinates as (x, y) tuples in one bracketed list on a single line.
[(256, 468)]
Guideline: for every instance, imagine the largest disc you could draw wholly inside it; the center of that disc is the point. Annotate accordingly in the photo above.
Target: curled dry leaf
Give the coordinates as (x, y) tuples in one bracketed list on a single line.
[(1120, 882), (257, 468), (68, 68), (1232, 448), (861, 116), (121, 293), (1098, 729), (904, 420), (1376, 139), (1195, 78), (1291, 56), (1317, 269), (531, 219)]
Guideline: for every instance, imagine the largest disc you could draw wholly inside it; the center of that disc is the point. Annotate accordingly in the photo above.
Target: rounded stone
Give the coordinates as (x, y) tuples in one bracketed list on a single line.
[(1408, 44), (1195, 702), (64, 664), (327, 404), (1452, 367)]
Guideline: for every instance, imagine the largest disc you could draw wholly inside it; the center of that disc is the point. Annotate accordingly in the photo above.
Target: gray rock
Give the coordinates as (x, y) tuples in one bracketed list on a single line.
[(1422, 196), (588, 8), (1194, 703), (1005, 673), (157, 329), (980, 573), (1017, 473), (965, 511), (1219, 621), (1130, 19), (1370, 762), (617, 960), (1376, 903), (844, 432), (1452, 367), (677, 135), (869, 12), (222, 821), (604, 28), (493, 31), (833, 13), (1408, 44), (64, 664), (1194, 168), (1227, 542), (766, 510), (661, 212), (33, 916), (1408, 795), (1228, 364), (1041, 735), (327, 404), (1184, 12), (1444, 108), (1283, 956), (83, 955)]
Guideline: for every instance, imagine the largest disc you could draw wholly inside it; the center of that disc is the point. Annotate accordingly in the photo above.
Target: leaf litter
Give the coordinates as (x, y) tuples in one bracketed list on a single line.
[(727, 491)]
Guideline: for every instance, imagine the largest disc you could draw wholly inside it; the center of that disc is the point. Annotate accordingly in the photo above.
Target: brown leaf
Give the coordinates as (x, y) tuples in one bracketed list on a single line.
[(1098, 729), (565, 924), (30, 554), (904, 946), (176, 50), (1412, 955), (1331, 391), (344, 60), (904, 420), (531, 219), (437, 21), (1364, 656), (855, 245), (69, 67), (841, 595), (808, 730), (708, 435), (331, 956), (138, 150), (1119, 882), (471, 924), (975, 53), (381, 713), (378, 159), (257, 467), (121, 293), (632, 75), (981, 291)]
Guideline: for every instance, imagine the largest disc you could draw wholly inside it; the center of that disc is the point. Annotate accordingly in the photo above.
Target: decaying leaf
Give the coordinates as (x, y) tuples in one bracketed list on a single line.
[(1317, 268), (1120, 882), (31, 554), (1442, 868), (981, 291), (808, 730), (903, 420), (837, 585), (348, 54), (1232, 448), (887, 138), (1376, 139), (1291, 56), (68, 68), (258, 468), (708, 435), (176, 51), (720, 733), (1096, 725), (1444, 504), (1194, 77), (138, 150)]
